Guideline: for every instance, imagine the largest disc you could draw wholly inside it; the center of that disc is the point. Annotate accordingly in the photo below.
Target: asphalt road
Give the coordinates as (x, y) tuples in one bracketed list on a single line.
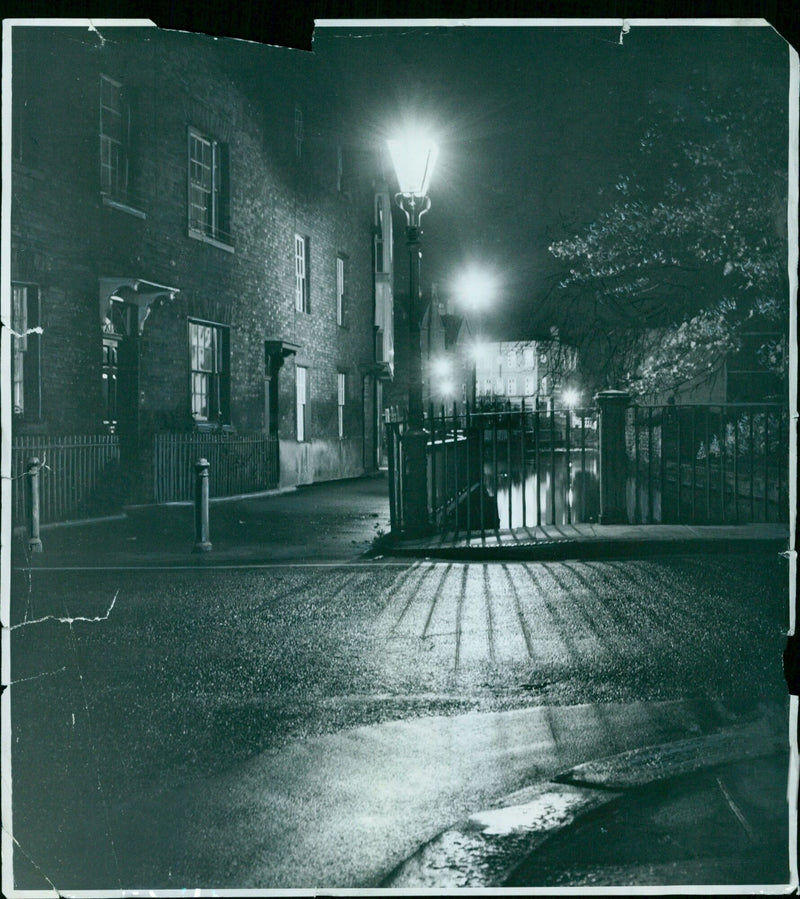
[(129, 689)]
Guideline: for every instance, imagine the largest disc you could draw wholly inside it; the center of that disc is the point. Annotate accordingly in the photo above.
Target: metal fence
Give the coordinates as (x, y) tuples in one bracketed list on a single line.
[(526, 466), (79, 478), (508, 467), (240, 463), (724, 463)]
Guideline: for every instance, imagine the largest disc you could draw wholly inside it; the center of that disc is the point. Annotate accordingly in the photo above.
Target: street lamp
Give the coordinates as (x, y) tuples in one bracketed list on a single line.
[(570, 397), (414, 158)]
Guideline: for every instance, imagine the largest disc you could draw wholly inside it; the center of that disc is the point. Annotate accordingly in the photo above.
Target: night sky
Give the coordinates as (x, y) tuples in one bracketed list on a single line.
[(535, 126)]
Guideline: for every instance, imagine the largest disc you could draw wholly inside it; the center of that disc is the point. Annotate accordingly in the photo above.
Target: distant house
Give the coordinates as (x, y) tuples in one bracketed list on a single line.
[(201, 264), (529, 370)]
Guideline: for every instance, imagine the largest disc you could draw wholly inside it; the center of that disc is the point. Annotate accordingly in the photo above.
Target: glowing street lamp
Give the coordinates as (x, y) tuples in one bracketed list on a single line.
[(475, 289), (571, 397), (414, 158), (441, 368)]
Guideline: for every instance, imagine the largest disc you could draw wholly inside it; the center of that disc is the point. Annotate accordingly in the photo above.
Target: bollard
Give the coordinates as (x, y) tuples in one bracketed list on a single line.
[(34, 541), (202, 541)]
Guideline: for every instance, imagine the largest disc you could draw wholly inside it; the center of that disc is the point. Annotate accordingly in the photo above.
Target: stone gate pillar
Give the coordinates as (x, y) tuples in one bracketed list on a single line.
[(613, 456)]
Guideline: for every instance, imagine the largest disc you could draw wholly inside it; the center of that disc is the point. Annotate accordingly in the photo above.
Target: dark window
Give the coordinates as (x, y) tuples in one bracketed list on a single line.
[(340, 288), (298, 131), (209, 191), (110, 371), (210, 372), (115, 126)]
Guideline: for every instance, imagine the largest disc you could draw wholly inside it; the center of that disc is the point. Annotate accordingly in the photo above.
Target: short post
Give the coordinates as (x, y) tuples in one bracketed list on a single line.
[(201, 531), (34, 541), (613, 456)]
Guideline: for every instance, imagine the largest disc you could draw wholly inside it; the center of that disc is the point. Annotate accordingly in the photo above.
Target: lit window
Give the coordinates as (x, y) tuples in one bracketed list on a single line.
[(511, 359), (512, 386), (210, 377), (301, 292), (302, 401), (341, 383), (25, 351), (208, 188), (529, 387), (487, 386), (340, 290)]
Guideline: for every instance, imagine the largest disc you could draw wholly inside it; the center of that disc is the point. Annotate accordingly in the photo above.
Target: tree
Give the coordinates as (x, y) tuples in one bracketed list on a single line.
[(691, 252)]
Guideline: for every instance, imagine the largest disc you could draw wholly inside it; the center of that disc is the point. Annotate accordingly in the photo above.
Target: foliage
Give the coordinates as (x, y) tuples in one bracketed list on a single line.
[(692, 248)]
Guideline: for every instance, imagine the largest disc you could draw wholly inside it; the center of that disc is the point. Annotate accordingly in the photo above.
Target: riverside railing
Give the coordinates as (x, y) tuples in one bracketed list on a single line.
[(509, 466), (530, 465), (725, 463)]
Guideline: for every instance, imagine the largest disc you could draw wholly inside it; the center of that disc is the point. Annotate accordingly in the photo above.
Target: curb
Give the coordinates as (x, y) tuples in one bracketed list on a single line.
[(599, 549), (485, 850)]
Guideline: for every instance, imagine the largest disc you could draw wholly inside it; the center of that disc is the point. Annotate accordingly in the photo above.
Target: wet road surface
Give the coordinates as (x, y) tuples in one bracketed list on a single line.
[(190, 674)]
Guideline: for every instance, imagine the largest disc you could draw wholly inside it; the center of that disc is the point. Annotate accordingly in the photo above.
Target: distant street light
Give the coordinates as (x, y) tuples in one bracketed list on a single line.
[(414, 158), (571, 397), (441, 367)]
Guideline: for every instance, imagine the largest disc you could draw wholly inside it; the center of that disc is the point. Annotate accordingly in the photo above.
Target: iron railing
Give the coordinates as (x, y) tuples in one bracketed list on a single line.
[(505, 467), (725, 463), (79, 477), (528, 466), (239, 463)]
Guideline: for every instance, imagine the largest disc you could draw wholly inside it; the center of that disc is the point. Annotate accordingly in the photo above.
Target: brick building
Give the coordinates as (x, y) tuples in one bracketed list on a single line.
[(197, 256)]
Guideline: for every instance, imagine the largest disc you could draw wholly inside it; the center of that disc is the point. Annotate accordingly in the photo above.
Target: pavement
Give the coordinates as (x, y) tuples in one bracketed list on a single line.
[(350, 520), (397, 788)]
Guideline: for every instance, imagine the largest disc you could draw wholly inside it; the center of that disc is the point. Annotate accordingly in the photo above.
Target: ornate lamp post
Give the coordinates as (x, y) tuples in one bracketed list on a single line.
[(414, 159)]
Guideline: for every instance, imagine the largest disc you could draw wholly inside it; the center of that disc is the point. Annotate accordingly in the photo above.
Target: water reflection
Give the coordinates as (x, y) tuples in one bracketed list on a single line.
[(564, 490)]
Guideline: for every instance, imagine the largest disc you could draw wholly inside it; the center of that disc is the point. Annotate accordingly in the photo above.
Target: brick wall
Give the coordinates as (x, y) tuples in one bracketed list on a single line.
[(65, 238)]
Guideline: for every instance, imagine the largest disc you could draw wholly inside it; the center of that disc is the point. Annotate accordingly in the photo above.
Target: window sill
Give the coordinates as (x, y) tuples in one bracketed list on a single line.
[(204, 238), (123, 207), (211, 427)]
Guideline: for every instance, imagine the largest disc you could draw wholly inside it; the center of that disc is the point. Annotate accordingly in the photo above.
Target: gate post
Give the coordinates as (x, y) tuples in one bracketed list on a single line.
[(34, 541), (201, 531), (416, 522), (613, 456)]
